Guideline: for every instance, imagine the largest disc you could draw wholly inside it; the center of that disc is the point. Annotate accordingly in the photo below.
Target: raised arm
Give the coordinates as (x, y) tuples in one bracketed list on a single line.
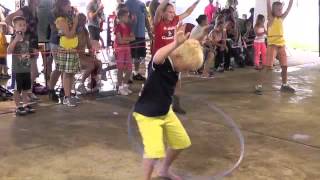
[(285, 14), (93, 14), (63, 25), (179, 38), (159, 12), (13, 43), (1, 15), (148, 26), (189, 11), (269, 9)]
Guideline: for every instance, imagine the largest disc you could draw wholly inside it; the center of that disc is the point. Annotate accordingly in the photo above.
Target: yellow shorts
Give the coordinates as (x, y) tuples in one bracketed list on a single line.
[(154, 129)]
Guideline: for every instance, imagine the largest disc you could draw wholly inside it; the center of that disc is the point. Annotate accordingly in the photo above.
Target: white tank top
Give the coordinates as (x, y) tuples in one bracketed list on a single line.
[(260, 39)]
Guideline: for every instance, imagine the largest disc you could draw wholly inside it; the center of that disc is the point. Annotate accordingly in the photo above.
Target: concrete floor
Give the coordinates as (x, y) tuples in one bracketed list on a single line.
[(90, 142)]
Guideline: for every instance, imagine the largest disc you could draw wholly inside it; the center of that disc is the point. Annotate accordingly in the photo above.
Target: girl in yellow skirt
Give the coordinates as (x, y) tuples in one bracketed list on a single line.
[(276, 44)]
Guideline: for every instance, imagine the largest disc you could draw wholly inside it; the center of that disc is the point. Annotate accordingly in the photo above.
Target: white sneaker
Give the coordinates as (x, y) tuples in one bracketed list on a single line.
[(34, 97), (82, 89), (122, 91), (126, 88), (76, 99), (69, 102)]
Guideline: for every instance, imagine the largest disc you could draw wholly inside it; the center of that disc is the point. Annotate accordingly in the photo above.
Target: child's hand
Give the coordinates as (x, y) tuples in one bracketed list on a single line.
[(25, 56), (75, 20), (180, 36), (19, 37)]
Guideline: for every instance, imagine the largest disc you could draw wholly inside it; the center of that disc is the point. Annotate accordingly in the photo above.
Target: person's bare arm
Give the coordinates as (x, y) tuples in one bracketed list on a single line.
[(189, 11), (216, 41), (159, 12), (123, 40), (285, 14), (10, 17), (204, 32), (131, 37), (269, 10), (70, 33), (179, 38), (92, 15), (13, 43), (1, 15), (148, 26)]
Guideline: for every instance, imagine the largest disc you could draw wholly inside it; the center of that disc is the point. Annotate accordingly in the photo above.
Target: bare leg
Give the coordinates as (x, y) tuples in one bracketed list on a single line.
[(85, 75), (208, 64), (47, 66), (271, 55), (284, 66), (34, 70), (102, 42), (127, 76), (67, 83), (148, 167), (25, 97), (53, 79), (120, 78), (167, 162), (264, 73), (89, 67), (284, 74), (17, 98), (136, 67)]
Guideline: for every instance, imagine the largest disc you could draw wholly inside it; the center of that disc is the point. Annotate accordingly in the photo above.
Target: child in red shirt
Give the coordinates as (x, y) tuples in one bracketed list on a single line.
[(124, 36)]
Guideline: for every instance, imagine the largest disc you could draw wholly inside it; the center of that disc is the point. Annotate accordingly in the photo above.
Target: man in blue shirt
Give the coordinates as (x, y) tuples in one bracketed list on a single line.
[(139, 21)]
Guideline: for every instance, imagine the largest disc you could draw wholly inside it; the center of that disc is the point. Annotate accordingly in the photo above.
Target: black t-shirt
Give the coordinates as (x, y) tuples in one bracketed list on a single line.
[(156, 96)]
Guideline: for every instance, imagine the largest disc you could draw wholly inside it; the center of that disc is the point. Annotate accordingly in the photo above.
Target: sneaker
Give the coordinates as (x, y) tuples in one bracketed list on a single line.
[(220, 69), (69, 102), (53, 96), (33, 97), (139, 77), (287, 88), (231, 68), (21, 111), (82, 89), (258, 90), (122, 91), (29, 109), (126, 88), (76, 99)]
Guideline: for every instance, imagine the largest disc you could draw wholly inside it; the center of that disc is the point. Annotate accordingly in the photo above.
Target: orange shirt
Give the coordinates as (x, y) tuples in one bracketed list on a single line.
[(3, 45)]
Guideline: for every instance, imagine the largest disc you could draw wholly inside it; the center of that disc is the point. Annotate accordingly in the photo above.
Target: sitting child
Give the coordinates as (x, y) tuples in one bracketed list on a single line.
[(209, 53), (88, 63)]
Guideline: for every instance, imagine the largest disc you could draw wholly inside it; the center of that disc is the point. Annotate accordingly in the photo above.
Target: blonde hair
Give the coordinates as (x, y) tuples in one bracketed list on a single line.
[(188, 56)]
